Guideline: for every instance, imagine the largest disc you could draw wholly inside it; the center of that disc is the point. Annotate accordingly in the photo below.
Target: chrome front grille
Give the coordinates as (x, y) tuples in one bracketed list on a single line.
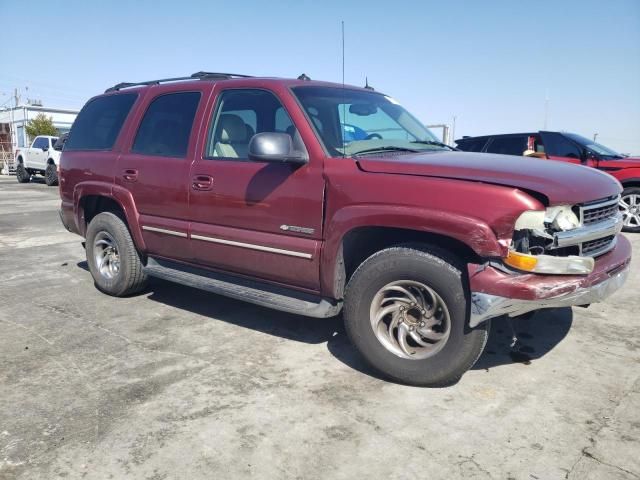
[(599, 212), (597, 247), (600, 222)]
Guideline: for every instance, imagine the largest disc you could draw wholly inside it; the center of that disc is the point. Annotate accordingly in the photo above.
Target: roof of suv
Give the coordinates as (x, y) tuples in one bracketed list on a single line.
[(229, 77)]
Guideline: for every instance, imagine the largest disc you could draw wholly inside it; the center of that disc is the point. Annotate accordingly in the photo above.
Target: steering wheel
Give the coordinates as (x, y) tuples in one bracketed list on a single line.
[(371, 136)]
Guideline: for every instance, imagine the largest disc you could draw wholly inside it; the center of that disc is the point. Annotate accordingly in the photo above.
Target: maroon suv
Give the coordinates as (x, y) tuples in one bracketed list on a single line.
[(307, 196)]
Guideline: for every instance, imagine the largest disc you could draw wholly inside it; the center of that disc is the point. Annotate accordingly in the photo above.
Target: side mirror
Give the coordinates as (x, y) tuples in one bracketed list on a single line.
[(44, 149), (587, 155), (275, 147)]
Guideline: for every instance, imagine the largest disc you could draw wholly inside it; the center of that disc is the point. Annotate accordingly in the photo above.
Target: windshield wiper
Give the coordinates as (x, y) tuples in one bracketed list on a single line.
[(388, 148), (435, 143)]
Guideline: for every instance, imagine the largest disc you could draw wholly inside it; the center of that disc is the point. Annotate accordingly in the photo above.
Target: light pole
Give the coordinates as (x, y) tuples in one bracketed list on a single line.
[(595, 135)]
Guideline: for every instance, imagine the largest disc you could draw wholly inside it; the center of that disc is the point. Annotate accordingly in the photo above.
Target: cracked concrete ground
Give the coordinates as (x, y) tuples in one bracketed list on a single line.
[(180, 384)]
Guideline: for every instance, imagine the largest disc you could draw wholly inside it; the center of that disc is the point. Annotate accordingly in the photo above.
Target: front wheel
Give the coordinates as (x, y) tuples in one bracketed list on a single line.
[(22, 174), (113, 260), (51, 175), (630, 208), (406, 311)]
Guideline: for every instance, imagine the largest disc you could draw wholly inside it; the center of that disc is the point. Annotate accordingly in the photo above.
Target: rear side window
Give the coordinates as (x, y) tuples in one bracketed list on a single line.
[(41, 142), (99, 122), (471, 144), (166, 126), (511, 145)]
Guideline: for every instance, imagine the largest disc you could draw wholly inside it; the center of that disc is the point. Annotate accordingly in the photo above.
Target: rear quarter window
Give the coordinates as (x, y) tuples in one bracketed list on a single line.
[(510, 145), (99, 122), (472, 144)]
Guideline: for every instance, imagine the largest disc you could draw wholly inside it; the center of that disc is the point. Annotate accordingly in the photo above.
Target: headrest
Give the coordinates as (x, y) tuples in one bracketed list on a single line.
[(232, 129)]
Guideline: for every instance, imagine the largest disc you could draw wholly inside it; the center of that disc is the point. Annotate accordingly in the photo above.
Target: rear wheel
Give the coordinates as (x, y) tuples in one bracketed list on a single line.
[(51, 175), (113, 260), (22, 174), (406, 311), (630, 208)]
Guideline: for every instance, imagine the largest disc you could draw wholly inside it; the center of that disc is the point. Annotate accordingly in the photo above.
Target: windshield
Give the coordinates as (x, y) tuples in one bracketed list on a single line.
[(601, 150), (350, 122)]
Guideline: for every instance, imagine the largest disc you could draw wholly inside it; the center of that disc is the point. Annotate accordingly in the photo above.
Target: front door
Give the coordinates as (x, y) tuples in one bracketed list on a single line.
[(155, 170), (255, 218)]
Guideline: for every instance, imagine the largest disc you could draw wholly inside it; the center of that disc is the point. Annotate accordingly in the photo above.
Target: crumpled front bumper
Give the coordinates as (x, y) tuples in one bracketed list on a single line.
[(495, 292)]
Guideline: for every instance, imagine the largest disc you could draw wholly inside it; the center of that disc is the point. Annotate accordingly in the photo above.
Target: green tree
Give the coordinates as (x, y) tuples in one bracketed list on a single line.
[(40, 125)]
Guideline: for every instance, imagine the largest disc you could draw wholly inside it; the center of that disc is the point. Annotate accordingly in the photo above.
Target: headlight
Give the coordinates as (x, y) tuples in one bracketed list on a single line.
[(532, 246), (571, 265), (561, 218)]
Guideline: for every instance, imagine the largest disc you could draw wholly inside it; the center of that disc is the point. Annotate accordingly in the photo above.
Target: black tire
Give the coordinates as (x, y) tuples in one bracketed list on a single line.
[(443, 274), (626, 193), (51, 175), (130, 277), (22, 174)]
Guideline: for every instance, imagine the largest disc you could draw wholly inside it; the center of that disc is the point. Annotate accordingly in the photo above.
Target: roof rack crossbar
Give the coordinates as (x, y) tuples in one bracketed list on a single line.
[(195, 76)]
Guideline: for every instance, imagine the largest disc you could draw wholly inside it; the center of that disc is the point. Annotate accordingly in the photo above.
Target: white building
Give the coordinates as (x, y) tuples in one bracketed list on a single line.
[(15, 119)]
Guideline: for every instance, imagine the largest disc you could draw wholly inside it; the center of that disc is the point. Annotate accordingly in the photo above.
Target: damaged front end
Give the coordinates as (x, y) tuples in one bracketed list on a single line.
[(556, 259)]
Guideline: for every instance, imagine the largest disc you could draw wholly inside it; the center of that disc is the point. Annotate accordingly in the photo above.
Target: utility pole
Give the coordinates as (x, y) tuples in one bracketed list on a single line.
[(16, 96), (453, 130)]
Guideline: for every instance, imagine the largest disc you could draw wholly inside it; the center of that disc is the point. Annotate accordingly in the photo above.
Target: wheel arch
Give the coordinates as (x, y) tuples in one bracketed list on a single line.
[(345, 250), (631, 182), (93, 199)]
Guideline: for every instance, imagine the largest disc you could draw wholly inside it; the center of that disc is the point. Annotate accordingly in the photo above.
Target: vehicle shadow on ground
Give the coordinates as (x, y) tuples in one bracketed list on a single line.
[(537, 335)]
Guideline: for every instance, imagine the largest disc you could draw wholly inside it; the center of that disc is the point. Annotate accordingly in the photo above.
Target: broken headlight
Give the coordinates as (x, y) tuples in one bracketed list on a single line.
[(533, 249)]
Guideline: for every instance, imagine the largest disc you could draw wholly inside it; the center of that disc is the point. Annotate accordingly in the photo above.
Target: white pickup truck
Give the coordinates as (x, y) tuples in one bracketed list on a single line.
[(41, 158)]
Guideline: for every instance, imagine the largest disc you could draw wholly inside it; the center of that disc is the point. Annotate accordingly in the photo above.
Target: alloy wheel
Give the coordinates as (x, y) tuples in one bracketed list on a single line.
[(410, 319)]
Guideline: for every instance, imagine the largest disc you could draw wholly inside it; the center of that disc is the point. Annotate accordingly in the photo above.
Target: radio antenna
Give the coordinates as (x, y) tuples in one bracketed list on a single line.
[(344, 105)]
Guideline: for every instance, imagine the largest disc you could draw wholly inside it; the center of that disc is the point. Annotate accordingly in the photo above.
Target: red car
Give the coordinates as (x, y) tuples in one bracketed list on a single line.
[(570, 147), (312, 198)]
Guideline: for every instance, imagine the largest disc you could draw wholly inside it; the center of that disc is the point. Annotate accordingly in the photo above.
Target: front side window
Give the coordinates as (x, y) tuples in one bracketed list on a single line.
[(557, 145), (351, 122), (510, 145), (166, 126), (99, 122), (240, 114)]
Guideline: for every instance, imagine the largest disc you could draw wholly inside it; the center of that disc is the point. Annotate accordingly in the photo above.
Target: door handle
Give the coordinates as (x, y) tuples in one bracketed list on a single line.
[(202, 182), (130, 174)]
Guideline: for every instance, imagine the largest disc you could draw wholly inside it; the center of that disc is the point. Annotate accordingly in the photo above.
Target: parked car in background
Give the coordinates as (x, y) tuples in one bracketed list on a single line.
[(573, 148), (248, 187), (40, 158)]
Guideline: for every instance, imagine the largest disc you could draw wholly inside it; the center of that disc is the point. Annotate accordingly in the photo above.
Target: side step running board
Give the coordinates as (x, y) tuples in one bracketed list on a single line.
[(263, 294)]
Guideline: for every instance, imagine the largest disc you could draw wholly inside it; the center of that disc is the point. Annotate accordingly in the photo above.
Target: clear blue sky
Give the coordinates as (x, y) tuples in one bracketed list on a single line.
[(490, 63)]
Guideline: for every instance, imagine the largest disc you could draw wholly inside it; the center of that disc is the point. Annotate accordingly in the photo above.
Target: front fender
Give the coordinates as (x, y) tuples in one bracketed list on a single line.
[(469, 230)]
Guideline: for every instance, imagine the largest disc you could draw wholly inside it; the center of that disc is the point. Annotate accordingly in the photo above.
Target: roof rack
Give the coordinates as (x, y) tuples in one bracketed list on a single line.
[(195, 76)]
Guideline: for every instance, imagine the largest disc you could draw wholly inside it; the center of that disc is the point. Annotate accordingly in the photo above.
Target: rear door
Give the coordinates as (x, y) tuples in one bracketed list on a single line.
[(255, 218), (155, 167), (37, 153)]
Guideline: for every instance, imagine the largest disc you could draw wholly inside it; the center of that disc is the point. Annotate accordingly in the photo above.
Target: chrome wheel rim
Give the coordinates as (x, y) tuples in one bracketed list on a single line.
[(410, 319), (630, 208), (106, 255)]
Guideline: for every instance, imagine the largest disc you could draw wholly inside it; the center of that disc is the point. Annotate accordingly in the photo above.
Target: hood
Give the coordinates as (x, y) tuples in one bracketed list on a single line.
[(561, 183)]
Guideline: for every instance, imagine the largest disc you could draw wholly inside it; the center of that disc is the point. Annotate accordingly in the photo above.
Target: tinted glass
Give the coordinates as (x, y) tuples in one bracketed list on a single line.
[(41, 142), (99, 122), (240, 114), (557, 145), (471, 144), (166, 125), (601, 150), (511, 145)]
